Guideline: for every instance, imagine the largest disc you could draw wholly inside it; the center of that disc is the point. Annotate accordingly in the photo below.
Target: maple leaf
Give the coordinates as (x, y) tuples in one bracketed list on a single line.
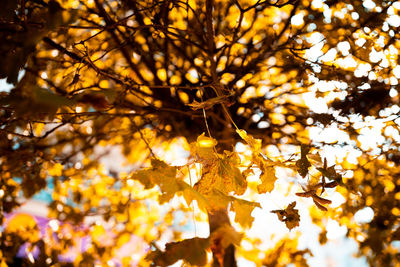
[(267, 176), (217, 200), (208, 182), (192, 251), (223, 175), (190, 194), (164, 176), (330, 173), (290, 216), (160, 174), (243, 210), (204, 148), (232, 178), (268, 179)]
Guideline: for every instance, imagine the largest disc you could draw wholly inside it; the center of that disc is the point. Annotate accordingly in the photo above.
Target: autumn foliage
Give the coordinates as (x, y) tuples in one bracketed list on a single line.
[(146, 119)]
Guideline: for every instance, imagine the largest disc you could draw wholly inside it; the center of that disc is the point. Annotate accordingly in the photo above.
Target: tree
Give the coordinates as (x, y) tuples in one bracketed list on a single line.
[(144, 77)]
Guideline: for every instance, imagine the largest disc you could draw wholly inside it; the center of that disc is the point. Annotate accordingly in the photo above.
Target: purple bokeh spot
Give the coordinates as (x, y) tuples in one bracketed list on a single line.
[(134, 245)]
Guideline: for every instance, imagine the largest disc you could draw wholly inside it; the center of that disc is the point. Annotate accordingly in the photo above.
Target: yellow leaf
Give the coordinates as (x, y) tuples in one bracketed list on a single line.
[(191, 194), (206, 142), (218, 200), (160, 174), (224, 176), (192, 251), (209, 182), (233, 179), (255, 144), (243, 210), (204, 147), (164, 176), (268, 179)]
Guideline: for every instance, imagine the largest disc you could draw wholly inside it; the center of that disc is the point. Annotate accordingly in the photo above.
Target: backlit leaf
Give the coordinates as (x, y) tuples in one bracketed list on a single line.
[(218, 200), (223, 175), (268, 179), (303, 164), (233, 179), (290, 216), (331, 173), (160, 174), (191, 194), (255, 144), (243, 210), (192, 251), (204, 147)]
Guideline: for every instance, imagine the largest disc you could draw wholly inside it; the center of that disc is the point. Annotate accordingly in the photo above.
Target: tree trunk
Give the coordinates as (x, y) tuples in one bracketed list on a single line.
[(217, 219)]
